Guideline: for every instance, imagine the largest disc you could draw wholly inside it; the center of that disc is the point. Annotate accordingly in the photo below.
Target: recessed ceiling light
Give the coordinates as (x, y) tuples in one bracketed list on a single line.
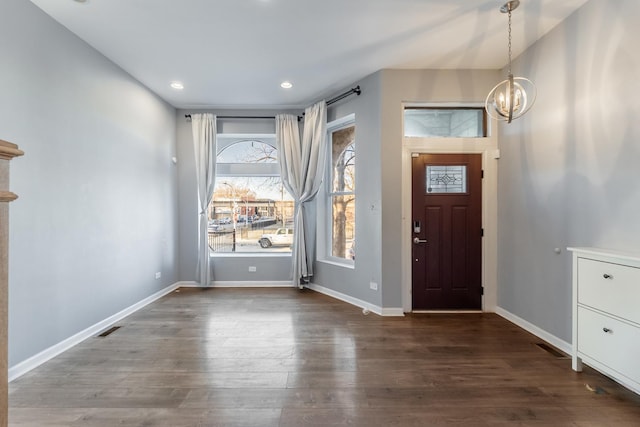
[(177, 85), (286, 85), (80, 1)]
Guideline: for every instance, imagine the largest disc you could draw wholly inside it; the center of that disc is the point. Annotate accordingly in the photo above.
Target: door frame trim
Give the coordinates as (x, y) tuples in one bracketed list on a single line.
[(488, 149)]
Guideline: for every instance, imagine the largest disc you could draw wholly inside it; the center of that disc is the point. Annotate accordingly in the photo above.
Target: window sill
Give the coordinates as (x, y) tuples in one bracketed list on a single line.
[(336, 263), (250, 255)]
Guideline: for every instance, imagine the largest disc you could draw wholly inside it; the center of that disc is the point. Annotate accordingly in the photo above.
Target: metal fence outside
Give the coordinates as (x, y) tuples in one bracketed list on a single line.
[(222, 241)]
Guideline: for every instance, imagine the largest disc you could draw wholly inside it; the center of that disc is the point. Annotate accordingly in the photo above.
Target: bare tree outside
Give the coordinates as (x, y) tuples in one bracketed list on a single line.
[(261, 153), (232, 191), (343, 189), (248, 151), (249, 189)]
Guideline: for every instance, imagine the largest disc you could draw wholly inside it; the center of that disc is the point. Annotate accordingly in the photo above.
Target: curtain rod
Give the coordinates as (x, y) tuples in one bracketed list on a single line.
[(342, 96), (188, 116), (333, 100)]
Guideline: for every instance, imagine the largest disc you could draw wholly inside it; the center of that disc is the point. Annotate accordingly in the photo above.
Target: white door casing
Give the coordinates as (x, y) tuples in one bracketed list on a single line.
[(488, 148)]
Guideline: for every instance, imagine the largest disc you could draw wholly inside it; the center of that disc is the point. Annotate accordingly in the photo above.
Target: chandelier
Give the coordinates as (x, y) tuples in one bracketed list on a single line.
[(513, 97)]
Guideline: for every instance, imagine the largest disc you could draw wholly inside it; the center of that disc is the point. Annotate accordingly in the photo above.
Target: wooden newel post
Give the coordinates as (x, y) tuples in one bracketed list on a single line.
[(7, 152)]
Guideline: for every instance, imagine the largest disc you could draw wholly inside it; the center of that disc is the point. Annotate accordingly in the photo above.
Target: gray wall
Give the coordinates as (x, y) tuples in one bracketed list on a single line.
[(96, 217), (379, 139), (354, 281), (569, 170), (225, 268), (398, 86)]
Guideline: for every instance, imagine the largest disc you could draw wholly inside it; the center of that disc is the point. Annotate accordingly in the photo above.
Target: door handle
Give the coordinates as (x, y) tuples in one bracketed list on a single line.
[(417, 240)]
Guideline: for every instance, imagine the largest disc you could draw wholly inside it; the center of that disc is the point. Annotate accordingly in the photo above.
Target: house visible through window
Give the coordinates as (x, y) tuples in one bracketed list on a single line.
[(251, 210), (341, 192)]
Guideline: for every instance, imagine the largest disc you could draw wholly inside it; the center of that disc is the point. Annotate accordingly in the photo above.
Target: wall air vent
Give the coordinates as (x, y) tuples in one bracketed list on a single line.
[(109, 331), (554, 352)]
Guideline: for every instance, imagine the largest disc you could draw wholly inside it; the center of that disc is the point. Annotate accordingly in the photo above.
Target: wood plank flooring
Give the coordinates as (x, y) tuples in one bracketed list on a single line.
[(290, 358)]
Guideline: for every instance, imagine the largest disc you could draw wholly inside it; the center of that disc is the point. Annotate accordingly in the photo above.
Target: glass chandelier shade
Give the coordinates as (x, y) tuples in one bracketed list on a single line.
[(513, 97)]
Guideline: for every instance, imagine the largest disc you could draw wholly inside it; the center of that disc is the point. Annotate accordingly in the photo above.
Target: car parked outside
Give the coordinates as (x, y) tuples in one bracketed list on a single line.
[(281, 237)]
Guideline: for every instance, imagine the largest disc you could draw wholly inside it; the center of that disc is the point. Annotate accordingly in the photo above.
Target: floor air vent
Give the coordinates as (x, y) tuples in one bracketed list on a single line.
[(109, 331), (555, 353)]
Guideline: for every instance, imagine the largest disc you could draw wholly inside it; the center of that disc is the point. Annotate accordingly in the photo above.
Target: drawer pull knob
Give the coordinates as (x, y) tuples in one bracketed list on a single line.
[(607, 330), (607, 276)]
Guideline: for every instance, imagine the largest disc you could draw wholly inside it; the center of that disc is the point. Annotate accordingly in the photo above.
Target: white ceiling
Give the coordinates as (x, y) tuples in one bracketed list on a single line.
[(235, 53)]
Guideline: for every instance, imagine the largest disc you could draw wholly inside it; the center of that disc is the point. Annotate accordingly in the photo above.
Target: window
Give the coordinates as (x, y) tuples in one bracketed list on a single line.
[(250, 207), (435, 122), (341, 191), (446, 179)]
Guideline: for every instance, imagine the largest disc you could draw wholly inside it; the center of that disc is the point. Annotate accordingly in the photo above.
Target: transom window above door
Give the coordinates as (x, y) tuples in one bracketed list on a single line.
[(441, 122)]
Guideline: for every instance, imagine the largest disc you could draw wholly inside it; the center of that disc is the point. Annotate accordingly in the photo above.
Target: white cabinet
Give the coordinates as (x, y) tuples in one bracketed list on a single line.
[(606, 313)]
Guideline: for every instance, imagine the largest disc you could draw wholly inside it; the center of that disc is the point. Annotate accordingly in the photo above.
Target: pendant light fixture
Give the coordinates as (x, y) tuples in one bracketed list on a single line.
[(513, 97)]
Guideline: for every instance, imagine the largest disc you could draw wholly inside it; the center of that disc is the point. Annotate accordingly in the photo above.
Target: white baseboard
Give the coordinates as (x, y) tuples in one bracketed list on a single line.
[(357, 302), (33, 362), (392, 312), (256, 284), (188, 285), (238, 284), (540, 333), (447, 311)]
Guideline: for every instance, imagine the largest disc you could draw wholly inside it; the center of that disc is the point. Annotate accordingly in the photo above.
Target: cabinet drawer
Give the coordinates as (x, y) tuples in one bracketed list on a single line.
[(611, 342), (612, 288)]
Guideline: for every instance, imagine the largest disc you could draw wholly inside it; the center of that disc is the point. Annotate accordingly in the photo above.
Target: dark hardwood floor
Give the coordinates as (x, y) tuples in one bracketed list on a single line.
[(284, 357)]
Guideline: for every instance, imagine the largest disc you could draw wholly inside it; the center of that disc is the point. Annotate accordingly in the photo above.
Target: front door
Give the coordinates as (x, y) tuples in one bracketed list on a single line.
[(446, 231)]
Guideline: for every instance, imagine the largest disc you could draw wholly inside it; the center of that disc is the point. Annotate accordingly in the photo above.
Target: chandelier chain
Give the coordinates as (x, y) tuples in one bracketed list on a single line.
[(509, 40), (513, 97)]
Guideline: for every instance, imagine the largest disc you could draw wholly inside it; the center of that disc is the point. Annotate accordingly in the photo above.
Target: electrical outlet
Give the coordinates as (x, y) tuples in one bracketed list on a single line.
[(252, 269), (158, 275), (373, 286)]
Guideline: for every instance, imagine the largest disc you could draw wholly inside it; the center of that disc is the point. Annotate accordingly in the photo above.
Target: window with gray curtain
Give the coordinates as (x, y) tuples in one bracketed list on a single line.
[(249, 200)]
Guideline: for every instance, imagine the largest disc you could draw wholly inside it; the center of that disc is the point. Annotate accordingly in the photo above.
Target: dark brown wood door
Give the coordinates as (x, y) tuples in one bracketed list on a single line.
[(447, 231)]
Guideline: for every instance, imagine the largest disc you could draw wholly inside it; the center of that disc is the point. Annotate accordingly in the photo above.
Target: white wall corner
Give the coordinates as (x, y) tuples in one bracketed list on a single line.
[(381, 311), (540, 333), (33, 362)]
